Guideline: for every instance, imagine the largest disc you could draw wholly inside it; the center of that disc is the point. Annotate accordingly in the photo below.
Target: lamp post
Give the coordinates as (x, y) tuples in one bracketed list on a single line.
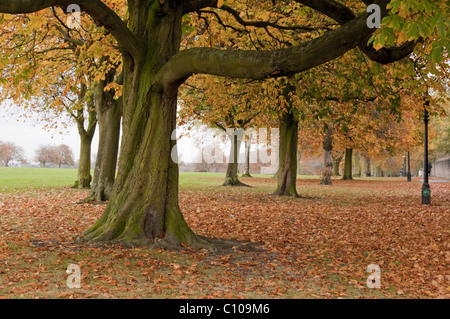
[(408, 175), (426, 193)]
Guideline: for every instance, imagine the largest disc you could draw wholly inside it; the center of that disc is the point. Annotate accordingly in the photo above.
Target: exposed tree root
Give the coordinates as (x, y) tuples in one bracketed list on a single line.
[(234, 182), (92, 198)]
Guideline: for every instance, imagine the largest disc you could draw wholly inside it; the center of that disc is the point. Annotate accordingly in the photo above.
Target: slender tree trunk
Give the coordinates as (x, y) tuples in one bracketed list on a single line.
[(84, 164), (287, 169), (327, 146), (247, 159), (337, 163), (231, 177), (357, 164), (366, 167), (379, 171), (348, 164), (86, 136), (299, 162), (109, 115), (143, 208)]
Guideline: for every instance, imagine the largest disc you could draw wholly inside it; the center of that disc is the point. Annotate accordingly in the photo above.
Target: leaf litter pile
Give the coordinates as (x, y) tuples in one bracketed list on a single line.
[(315, 246)]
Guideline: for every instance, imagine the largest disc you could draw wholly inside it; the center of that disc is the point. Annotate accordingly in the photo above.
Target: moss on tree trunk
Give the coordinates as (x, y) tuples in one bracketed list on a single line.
[(143, 207)]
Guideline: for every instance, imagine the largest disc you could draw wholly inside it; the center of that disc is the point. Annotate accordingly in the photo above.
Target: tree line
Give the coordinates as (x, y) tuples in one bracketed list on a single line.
[(59, 155)]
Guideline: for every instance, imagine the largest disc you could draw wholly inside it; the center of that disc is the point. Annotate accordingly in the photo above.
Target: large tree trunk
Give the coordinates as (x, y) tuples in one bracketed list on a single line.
[(348, 164), (109, 115), (231, 177), (327, 146), (143, 208), (287, 169)]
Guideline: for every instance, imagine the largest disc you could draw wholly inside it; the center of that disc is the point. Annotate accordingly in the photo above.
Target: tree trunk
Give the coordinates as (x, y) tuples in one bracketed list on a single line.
[(86, 136), (287, 169), (299, 162), (84, 164), (143, 208), (357, 165), (327, 157), (109, 115), (379, 171), (348, 164), (337, 163), (366, 167), (247, 159), (231, 177)]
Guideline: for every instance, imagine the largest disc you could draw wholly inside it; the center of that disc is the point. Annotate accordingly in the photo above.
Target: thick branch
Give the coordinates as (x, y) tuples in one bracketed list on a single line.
[(264, 64), (195, 5), (342, 14)]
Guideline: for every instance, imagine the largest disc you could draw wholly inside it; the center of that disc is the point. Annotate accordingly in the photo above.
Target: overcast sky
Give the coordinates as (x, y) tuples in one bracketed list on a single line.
[(30, 133)]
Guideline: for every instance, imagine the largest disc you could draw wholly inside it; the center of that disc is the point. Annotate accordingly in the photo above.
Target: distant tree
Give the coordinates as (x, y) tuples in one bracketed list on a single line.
[(58, 155), (45, 154), (64, 155), (10, 152)]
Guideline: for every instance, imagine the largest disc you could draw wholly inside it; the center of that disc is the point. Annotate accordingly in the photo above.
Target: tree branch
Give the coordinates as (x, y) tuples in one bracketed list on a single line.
[(342, 15), (258, 65), (100, 13)]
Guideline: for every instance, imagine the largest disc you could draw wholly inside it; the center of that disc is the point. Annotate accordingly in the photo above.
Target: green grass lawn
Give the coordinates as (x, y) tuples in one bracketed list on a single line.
[(19, 178)]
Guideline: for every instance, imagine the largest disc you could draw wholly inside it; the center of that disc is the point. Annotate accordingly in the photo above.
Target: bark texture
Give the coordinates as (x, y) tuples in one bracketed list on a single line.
[(143, 208)]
